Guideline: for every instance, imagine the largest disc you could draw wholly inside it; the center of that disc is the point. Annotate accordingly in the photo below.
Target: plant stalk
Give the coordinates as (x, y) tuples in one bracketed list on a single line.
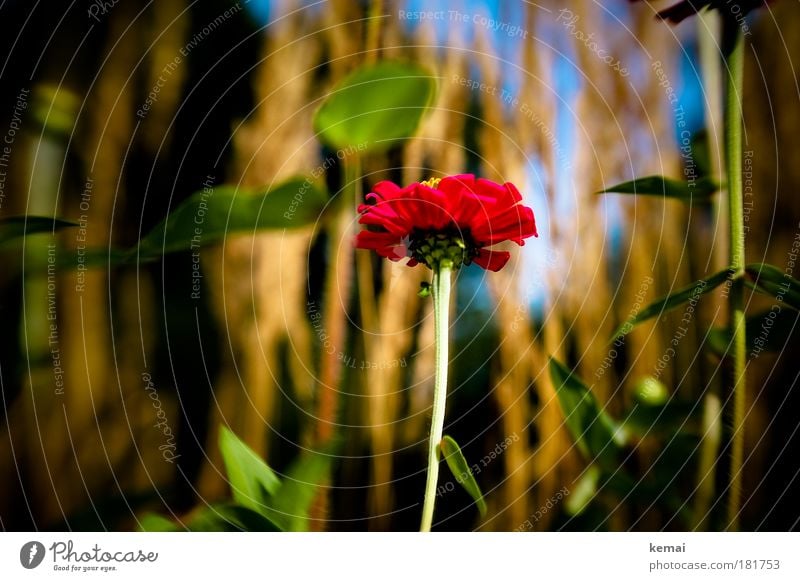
[(733, 158), (441, 311)]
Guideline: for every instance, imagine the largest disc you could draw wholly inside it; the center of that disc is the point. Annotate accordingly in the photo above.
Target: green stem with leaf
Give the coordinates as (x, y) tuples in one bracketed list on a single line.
[(733, 158), (441, 310)]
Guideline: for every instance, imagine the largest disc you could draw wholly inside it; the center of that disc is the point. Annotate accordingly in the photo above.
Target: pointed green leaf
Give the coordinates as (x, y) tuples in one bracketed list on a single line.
[(584, 492), (289, 508), (672, 301), (251, 480), (772, 281), (375, 107), (596, 434), (210, 215), (700, 190), (460, 469), (14, 227)]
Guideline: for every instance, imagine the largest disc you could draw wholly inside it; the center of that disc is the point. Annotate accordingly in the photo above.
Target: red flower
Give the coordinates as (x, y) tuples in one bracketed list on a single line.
[(454, 219)]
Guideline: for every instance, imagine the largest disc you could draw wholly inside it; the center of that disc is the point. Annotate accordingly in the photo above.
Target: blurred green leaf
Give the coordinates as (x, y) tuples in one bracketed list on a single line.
[(584, 492), (700, 190), (71, 258), (672, 301), (375, 107), (14, 227), (251, 480), (155, 523), (290, 506), (230, 518), (764, 332), (658, 420), (597, 435), (459, 467), (208, 216), (772, 281), (701, 153)]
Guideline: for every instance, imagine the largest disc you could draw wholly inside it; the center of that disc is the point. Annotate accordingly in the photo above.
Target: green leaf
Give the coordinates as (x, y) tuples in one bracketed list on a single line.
[(767, 330), (460, 469), (375, 107), (672, 301), (584, 492), (597, 436), (300, 485), (772, 281), (230, 518), (662, 420), (251, 480), (155, 523), (700, 190), (71, 258), (210, 215), (14, 227), (701, 153)]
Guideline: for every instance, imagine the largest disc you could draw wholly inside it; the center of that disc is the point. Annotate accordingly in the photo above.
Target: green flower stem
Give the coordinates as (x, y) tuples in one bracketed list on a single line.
[(733, 158), (440, 289)]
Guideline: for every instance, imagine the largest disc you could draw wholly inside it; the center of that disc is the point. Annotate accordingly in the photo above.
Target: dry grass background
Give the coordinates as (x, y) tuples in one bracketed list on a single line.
[(99, 439)]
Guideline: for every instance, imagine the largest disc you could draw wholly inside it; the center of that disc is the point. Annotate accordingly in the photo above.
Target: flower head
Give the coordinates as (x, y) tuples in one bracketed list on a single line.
[(454, 219)]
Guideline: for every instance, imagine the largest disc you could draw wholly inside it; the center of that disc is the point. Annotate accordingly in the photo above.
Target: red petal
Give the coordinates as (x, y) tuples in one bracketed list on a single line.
[(369, 240), (515, 224), (384, 190), (434, 209), (492, 260), (453, 185), (502, 196), (384, 215)]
